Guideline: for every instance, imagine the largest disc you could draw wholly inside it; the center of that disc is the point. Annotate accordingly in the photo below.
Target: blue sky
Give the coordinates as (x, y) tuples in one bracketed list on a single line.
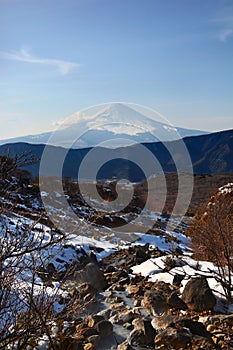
[(60, 56)]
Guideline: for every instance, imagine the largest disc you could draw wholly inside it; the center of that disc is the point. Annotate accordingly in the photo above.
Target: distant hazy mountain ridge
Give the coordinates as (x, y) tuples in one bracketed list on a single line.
[(210, 154)]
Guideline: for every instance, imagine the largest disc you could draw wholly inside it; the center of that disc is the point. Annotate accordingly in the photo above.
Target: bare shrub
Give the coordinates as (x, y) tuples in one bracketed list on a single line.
[(26, 303), (212, 235)]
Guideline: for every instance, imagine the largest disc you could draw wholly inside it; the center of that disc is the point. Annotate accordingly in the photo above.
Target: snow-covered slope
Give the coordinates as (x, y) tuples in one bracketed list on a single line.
[(109, 122), (38, 266)]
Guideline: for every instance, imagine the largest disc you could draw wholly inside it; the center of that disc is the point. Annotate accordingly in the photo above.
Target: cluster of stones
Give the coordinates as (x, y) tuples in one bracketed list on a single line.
[(153, 315)]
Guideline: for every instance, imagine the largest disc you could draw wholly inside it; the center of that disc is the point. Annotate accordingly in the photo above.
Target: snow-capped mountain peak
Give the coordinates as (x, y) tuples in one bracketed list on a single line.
[(109, 122)]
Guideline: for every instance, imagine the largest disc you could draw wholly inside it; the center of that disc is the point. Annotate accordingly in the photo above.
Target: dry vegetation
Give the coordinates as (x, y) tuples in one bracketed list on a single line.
[(212, 236)]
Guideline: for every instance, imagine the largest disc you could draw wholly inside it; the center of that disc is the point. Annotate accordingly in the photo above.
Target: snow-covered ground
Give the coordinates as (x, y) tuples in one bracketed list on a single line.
[(86, 239), (154, 269)]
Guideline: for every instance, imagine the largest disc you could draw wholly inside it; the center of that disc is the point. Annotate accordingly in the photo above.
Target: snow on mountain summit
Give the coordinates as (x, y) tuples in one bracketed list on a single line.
[(110, 122), (118, 118)]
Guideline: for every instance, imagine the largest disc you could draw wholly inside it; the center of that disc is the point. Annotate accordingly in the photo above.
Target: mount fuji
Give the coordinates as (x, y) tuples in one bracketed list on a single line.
[(109, 123)]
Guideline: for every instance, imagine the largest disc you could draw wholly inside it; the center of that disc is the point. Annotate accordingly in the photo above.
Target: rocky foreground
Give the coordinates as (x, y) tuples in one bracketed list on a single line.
[(112, 294), (111, 308)]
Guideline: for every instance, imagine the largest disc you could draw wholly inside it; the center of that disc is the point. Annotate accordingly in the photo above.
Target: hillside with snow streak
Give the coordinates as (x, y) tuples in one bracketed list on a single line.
[(93, 288)]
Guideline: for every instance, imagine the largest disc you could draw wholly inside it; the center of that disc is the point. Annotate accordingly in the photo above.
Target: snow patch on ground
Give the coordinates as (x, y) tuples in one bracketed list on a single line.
[(154, 269)]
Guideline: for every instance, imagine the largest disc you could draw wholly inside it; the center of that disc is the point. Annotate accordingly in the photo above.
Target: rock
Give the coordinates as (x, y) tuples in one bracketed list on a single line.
[(70, 344), (203, 343), (117, 306), (163, 321), (133, 289), (79, 326), (86, 289), (110, 268), (91, 274), (121, 274), (119, 288), (195, 327), (211, 327), (141, 253), (114, 318), (79, 338), (154, 302), (51, 270), (126, 316), (170, 263), (124, 281), (176, 302), (138, 254), (137, 303), (83, 331), (218, 320), (94, 319), (128, 325), (228, 319), (173, 338), (117, 299), (87, 332), (88, 298), (105, 313), (177, 279), (198, 295), (124, 346), (96, 249), (104, 328), (109, 221), (89, 346), (143, 333), (92, 257), (94, 339), (163, 287), (136, 338)]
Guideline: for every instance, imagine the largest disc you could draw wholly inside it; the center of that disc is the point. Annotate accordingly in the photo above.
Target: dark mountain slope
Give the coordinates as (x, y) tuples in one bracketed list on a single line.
[(210, 154)]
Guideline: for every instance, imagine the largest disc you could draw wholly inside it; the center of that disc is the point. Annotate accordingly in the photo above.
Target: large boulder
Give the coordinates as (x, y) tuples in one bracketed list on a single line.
[(163, 321), (174, 301), (104, 328), (143, 333), (198, 295), (154, 302), (173, 338), (91, 274), (195, 327)]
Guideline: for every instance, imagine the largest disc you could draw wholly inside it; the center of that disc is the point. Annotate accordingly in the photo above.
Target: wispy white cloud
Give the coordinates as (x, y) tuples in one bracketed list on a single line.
[(223, 23), (64, 67), (225, 34)]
